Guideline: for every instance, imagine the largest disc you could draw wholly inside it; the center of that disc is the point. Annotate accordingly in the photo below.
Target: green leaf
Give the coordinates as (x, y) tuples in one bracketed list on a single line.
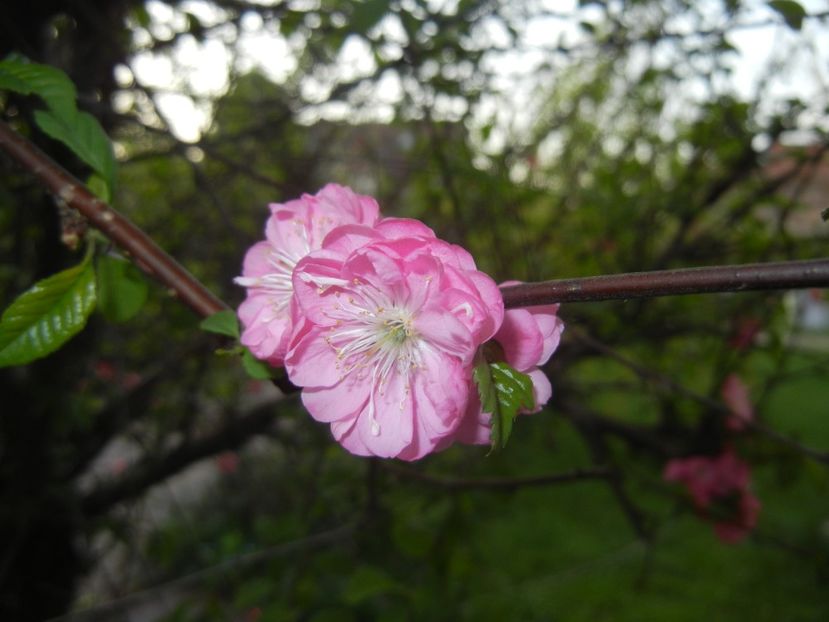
[(366, 14), (82, 133), (46, 316), (98, 187), (49, 83), (792, 12), (122, 290), (503, 392), (366, 582), (222, 323), (255, 368)]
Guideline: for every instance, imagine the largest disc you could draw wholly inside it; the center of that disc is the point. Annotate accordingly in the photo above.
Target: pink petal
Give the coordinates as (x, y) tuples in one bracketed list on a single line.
[(385, 424), (396, 228), (446, 332), (312, 362), (521, 339), (551, 328), (345, 399), (542, 390)]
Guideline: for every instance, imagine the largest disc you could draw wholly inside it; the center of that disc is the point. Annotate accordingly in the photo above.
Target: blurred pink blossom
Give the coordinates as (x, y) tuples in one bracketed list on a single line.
[(735, 395), (227, 462), (719, 489)]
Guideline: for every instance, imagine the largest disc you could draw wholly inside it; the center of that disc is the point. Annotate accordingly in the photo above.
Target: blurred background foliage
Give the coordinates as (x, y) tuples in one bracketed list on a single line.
[(145, 478)]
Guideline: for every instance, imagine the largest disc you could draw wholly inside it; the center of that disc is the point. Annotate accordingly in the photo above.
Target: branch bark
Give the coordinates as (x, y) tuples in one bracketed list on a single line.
[(737, 278), (158, 264), (133, 241)]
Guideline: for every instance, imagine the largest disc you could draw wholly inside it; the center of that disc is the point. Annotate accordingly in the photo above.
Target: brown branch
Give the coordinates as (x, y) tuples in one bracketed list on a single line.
[(154, 469), (132, 240), (157, 263), (737, 278), (495, 483)]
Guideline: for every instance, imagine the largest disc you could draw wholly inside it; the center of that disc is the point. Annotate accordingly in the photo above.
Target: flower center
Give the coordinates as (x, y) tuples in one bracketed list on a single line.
[(375, 339)]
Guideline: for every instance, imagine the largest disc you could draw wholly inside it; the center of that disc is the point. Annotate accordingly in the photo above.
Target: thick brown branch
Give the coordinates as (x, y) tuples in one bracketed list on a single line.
[(132, 240), (739, 278)]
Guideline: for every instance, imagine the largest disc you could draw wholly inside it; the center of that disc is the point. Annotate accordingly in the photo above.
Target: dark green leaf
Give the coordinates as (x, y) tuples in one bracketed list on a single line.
[(43, 318), (365, 582), (83, 134), (255, 368), (366, 14), (222, 323), (122, 290), (792, 12), (50, 84), (503, 392)]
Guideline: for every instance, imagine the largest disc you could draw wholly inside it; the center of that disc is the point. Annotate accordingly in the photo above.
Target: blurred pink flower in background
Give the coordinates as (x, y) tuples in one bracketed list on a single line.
[(227, 462), (745, 333), (719, 489), (294, 229), (735, 395)]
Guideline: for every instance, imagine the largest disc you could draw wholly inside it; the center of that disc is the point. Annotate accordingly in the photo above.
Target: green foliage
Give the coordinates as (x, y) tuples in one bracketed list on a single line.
[(791, 11), (222, 323), (46, 316), (503, 392), (78, 130), (256, 369), (82, 133), (50, 84), (122, 290), (366, 14)]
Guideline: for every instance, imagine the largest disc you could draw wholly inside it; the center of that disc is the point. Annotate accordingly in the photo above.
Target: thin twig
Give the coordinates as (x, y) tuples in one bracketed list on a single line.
[(496, 483), (117, 608), (738, 278)]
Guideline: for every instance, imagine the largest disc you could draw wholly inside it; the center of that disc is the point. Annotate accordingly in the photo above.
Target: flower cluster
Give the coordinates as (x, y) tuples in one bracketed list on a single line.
[(719, 490), (380, 323)]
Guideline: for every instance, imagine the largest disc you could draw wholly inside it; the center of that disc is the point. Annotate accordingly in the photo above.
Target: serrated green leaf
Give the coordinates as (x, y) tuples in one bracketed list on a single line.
[(122, 290), (48, 83), (792, 12), (222, 323), (82, 133), (504, 391), (46, 316), (259, 370)]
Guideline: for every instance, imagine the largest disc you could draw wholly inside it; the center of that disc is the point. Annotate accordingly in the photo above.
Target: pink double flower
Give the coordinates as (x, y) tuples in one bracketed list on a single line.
[(379, 322)]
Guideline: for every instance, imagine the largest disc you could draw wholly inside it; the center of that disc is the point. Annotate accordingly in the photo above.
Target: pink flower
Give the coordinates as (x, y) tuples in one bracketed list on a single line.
[(735, 394), (392, 318), (227, 462), (719, 489), (528, 338), (745, 333), (293, 230)]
